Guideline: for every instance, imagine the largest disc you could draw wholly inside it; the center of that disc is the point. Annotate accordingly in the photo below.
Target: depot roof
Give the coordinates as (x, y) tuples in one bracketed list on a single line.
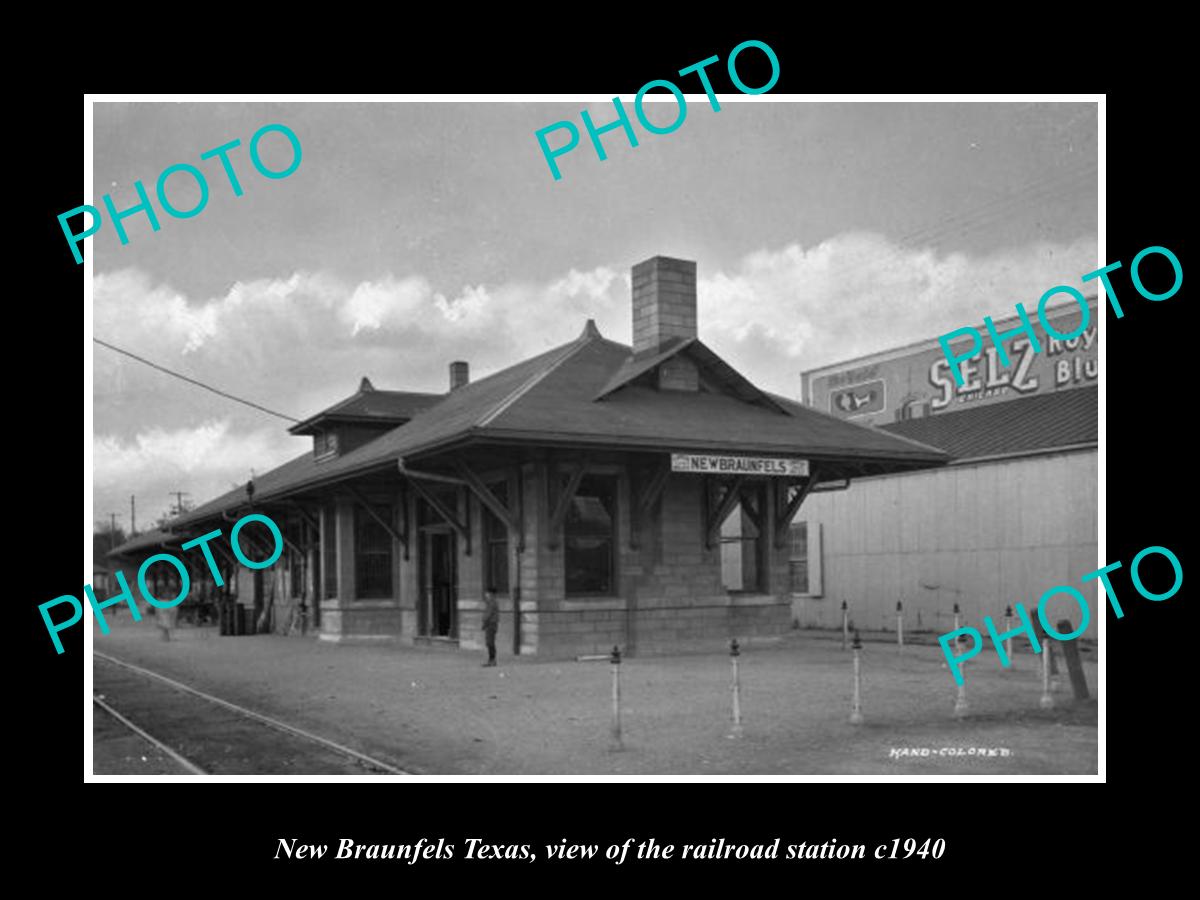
[(147, 540), (371, 406), (588, 393)]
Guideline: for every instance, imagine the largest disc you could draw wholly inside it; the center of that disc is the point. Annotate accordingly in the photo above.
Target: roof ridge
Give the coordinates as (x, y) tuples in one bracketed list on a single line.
[(569, 350)]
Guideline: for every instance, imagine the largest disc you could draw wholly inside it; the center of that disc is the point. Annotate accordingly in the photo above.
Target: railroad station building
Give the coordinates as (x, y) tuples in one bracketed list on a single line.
[(639, 496), (1013, 515)]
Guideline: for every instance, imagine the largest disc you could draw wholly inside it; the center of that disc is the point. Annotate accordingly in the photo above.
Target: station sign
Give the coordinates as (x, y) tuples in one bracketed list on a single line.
[(705, 463)]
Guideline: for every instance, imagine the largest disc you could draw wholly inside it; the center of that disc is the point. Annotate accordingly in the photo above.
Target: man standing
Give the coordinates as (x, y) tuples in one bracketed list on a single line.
[(491, 621)]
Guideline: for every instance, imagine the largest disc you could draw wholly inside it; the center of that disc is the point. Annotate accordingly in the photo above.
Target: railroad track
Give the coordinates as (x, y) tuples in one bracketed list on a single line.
[(208, 735)]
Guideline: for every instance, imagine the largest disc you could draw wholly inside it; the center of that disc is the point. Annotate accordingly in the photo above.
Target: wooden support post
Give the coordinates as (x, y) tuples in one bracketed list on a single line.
[(1070, 652), (788, 512), (732, 495), (651, 493), (402, 503), (304, 513), (287, 541)]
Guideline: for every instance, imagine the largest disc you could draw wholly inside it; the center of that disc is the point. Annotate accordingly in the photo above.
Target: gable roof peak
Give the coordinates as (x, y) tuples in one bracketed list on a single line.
[(365, 385)]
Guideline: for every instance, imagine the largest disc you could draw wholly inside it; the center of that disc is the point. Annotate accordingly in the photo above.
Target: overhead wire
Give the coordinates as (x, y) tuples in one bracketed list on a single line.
[(197, 383)]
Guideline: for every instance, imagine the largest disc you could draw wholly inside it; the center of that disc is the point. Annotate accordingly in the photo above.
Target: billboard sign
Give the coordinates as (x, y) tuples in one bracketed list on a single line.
[(916, 380)]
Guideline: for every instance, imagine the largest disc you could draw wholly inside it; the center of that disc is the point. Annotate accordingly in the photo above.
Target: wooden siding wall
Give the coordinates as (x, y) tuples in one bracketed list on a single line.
[(985, 535)]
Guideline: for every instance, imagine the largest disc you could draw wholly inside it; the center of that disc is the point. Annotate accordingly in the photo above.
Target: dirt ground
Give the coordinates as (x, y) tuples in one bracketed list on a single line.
[(436, 711), (118, 751)]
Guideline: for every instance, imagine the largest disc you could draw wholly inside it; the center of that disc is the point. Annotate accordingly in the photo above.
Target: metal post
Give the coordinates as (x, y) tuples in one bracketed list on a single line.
[(856, 717), (615, 659), (960, 704), (845, 625), (736, 731), (1012, 663), (1047, 698), (900, 624)]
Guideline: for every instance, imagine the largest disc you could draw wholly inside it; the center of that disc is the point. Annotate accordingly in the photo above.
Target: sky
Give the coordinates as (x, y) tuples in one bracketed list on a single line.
[(414, 234)]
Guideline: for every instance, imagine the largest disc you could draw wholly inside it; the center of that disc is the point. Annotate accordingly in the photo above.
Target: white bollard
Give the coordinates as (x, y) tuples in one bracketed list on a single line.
[(960, 704), (900, 625), (615, 659), (1012, 662), (1047, 697), (736, 731), (856, 717)]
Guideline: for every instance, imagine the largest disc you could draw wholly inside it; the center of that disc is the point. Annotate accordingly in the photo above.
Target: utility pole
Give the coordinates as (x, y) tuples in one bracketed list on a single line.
[(132, 516), (179, 495)]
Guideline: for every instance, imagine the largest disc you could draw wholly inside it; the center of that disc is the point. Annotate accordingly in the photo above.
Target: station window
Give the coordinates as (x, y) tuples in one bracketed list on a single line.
[(590, 538), (372, 552), (296, 574), (798, 561), (495, 536), (325, 444), (743, 543)]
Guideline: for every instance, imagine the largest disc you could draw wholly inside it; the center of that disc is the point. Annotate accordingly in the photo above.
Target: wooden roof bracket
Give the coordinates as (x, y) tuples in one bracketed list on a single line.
[(461, 529), (559, 515), (651, 493), (787, 511), (485, 496), (304, 514), (724, 508), (398, 536)]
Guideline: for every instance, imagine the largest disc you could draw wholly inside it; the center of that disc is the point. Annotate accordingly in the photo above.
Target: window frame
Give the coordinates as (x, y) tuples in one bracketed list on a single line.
[(589, 480), (760, 542), (363, 520), (495, 533)]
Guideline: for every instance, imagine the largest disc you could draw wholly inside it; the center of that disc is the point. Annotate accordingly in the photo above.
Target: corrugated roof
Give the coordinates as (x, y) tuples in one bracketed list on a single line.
[(1024, 425)]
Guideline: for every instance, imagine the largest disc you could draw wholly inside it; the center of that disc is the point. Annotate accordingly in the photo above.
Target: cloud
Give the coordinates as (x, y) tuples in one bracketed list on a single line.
[(300, 342), (205, 460), (781, 311)]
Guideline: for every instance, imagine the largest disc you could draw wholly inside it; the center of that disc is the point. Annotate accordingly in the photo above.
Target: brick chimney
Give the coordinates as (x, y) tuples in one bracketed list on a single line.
[(664, 308), (664, 302), (460, 374)]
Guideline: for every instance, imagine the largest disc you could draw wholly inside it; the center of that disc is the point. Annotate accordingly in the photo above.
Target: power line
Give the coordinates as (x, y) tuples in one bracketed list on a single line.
[(999, 207), (206, 387), (982, 215)]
